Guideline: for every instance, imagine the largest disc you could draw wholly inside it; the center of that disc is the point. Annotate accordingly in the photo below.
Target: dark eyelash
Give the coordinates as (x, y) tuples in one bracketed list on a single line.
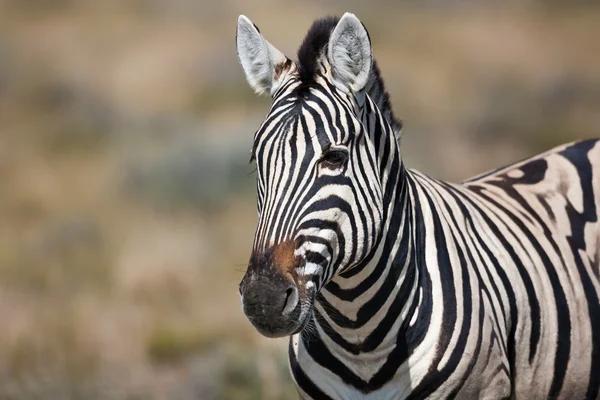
[(334, 158)]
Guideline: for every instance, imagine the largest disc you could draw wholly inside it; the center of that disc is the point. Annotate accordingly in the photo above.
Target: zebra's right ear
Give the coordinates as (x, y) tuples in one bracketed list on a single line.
[(261, 61)]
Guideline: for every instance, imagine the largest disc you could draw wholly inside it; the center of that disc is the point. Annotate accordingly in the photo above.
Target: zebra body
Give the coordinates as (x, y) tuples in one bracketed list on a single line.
[(516, 261), (395, 285)]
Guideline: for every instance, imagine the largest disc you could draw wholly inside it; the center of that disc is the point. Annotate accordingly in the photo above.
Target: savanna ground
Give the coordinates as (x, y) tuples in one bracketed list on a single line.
[(127, 205)]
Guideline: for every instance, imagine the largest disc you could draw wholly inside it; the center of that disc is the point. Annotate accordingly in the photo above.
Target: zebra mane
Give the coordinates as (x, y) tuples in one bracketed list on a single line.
[(312, 50)]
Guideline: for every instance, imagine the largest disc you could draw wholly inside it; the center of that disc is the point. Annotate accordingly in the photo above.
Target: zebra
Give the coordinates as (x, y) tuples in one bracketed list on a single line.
[(391, 284)]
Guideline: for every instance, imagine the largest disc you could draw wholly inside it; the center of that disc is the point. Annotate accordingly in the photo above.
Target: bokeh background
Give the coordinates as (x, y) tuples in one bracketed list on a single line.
[(127, 203)]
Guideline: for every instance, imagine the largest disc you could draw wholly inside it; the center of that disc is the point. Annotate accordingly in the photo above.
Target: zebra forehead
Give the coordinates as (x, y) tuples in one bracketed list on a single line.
[(295, 125)]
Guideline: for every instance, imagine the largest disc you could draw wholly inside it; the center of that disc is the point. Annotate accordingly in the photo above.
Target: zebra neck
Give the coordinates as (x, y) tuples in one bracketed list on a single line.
[(359, 308)]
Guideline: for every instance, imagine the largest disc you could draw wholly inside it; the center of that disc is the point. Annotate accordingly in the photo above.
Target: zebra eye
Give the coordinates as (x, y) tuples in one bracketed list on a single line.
[(334, 158)]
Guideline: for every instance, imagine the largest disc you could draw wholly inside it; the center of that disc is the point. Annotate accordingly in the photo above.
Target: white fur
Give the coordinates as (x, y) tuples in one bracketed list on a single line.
[(350, 54), (257, 56)]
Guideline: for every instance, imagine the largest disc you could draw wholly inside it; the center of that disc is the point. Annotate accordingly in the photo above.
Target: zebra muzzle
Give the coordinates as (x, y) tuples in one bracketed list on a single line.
[(271, 305), (272, 293)]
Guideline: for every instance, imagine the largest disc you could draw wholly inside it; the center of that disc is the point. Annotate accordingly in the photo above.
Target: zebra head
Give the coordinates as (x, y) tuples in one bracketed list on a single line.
[(319, 171)]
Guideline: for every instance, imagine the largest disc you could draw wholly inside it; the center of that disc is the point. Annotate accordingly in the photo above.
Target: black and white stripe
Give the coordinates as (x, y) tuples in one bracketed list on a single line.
[(407, 286)]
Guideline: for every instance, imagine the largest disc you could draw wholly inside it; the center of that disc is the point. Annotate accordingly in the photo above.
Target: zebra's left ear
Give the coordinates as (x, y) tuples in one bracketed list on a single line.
[(263, 64), (350, 54)]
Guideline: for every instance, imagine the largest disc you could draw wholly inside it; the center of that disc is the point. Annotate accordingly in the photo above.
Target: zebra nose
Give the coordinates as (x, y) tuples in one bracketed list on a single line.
[(268, 305)]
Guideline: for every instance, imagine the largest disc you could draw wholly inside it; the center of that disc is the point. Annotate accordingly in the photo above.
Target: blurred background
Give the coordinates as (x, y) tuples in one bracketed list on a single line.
[(127, 204)]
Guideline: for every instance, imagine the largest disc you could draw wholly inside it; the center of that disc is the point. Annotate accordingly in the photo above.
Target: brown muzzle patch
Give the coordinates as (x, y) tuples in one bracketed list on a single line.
[(283, 257), (276, 261)]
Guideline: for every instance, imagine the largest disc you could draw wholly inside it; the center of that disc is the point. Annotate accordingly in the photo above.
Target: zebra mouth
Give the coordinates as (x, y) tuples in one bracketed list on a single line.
[(305, 310), (304, 322), (277, 309), (280, 326)]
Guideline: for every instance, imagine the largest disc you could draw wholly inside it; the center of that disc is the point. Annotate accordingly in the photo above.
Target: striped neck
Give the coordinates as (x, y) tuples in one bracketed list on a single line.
[(366, 312)]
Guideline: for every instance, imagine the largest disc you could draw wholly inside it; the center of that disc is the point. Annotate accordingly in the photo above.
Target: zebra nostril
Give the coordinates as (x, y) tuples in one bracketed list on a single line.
[(291, 299), (288, 293)]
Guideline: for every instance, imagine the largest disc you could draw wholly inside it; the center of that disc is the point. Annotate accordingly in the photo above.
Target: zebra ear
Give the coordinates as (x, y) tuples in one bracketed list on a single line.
[(350, 54), (259, 59)]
